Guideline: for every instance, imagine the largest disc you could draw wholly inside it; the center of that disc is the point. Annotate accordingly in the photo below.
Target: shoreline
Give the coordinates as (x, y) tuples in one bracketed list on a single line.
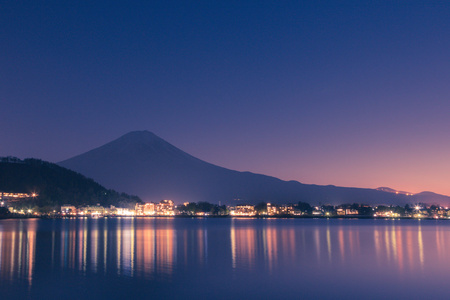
[(225, 217)]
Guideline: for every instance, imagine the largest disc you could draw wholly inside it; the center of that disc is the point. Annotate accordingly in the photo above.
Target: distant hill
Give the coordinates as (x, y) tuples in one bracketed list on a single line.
[(389, 190), (432, 198), (55, 185), (141, 163)]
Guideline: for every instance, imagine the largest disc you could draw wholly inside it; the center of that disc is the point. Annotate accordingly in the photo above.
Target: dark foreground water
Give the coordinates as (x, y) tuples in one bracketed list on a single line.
[(224, 258)]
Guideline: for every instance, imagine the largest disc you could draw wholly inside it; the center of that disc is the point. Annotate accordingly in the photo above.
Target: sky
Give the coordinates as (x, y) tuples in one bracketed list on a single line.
[(349, 93)]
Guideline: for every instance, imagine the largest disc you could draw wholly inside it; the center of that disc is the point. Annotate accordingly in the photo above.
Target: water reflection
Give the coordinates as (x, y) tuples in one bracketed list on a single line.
[(118, 246), (400, 247), (253, 246), (243, 246), (18, 251), (158, 249), (88, 245), (403, 246)]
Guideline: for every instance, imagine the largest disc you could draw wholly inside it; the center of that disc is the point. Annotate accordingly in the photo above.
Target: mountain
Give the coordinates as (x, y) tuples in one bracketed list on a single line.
[(432, 198), (389, 190), (55, 185), (141, 163)]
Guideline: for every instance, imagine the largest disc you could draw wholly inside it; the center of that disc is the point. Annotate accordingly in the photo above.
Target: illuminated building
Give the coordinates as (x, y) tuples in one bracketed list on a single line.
[(243, 210), (93, 211), (317, 212), (287, 209), (284, 209), (147, 209), (340, 212), (386, 214), (271, 209), (68, 210), (13, 197), (139, 209), (351, 211), (165, 208), (125, 212)]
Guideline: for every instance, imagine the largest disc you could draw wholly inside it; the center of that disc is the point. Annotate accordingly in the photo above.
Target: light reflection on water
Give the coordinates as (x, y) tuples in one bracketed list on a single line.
[(121, 247), (17, 252), (161, 249)]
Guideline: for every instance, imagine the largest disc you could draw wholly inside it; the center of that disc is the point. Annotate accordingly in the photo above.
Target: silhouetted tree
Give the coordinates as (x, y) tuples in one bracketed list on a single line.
[(304, 207)]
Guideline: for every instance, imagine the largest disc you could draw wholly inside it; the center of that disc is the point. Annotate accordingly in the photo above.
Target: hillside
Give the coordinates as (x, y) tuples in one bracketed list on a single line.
[(55, 185), (141, 163)]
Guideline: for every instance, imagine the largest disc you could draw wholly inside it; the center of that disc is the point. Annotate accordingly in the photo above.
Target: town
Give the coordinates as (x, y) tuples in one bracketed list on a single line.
[(13, 204)]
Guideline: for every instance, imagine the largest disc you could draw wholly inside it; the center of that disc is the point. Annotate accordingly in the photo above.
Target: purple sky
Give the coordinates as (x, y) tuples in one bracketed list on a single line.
[(351, 93)]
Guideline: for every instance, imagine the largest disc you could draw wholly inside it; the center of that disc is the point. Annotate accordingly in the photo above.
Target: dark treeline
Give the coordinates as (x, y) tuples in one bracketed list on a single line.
[(55, 186), (202, 208)]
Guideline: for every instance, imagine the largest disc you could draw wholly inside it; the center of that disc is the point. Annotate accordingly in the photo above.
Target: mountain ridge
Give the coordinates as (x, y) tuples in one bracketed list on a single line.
[(144, 164)]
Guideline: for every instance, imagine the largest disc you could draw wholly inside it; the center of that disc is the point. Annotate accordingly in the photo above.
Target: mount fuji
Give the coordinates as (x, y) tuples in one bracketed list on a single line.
[(144, 164)]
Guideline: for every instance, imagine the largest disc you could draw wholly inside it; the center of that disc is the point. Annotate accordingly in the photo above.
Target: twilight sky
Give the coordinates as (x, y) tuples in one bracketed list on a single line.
[(350, 93)]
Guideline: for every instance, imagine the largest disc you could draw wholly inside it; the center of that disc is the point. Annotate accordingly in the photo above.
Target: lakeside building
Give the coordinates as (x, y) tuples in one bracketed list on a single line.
[(283, 209), (68, 210), (124, 212), (387, 214), (287, 209), (15, 197), (351, 211), (317, 212), (92, 211), (165, 208), (243, 210), (147, 209), (272, 210)]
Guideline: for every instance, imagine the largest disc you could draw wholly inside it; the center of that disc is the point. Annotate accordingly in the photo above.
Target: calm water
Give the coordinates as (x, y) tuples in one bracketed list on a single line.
[(224, 258)]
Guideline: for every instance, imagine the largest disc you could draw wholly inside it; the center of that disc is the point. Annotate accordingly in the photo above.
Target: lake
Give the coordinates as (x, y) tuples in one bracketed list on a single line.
[(223, 258)]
